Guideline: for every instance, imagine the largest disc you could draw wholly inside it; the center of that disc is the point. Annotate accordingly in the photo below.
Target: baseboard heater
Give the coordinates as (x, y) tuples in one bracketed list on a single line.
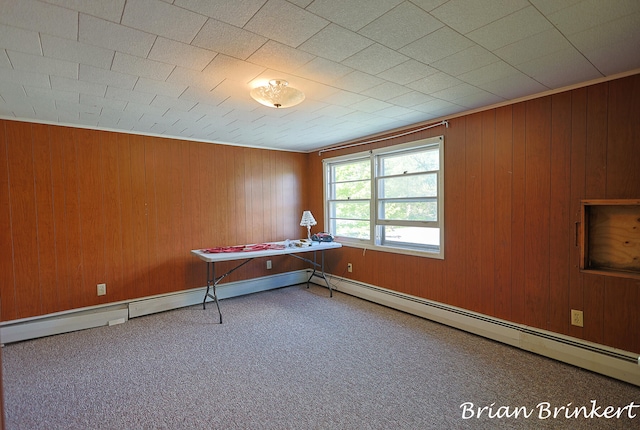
[(598, 358), (120, 312)]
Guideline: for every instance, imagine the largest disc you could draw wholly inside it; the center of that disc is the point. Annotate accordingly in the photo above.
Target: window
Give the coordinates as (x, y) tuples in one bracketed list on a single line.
[(388, 199)]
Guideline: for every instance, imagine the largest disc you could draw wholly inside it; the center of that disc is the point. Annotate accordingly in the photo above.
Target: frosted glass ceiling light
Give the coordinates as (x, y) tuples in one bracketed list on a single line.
[(277, 94)]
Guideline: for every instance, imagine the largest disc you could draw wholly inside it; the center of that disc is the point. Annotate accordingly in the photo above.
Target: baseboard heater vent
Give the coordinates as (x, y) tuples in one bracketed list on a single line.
[(598, 358), (120, 312)]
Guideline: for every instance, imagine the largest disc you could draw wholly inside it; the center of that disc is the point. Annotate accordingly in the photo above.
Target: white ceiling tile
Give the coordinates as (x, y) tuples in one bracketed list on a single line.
[(193, 78), (323, 70), (411, 99), (275, 55), (151, 86), (488, 73), (163, 19), (549, 6), (173, 115), (456, 92), (50, 66), (560, 68), (406, 72), (111, 104), (467, 15), (137, 66), (343, 98), (51, 94), (172, 52), (357, 81), (98, 32), (40, 17), (401, 25), (513, 86), (223, 67), (205, 97), (375, 59), (176, 104), (76, 107), (519, 25), (590, 13), (4, 60), (433, 83), (611, 47), (386, 91), (143, 108), (535, 46), (25, 77), (353, 14), (77, 52), (17, 39), (428, 5), (335, 43), (478, 99), (237, 12), (370, 105), (437, 45), (464, 61), (286, 23), (221, 37), (74, 85), (107, 77), (128, 96), (111, 9)]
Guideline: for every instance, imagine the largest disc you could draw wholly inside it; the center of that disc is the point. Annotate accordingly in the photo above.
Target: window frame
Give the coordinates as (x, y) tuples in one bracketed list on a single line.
[(376, 240)]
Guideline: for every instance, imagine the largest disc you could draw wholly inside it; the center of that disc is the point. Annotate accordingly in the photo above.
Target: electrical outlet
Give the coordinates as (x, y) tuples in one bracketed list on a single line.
[(102, 289), (349, 267), (577, 318), (269, 265)]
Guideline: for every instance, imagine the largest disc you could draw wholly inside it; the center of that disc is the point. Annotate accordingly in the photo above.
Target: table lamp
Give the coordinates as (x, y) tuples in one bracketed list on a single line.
[(307, 221)]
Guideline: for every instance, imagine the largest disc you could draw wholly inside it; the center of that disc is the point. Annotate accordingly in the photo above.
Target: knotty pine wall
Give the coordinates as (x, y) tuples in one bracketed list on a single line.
[(80, 207), (514, 178)]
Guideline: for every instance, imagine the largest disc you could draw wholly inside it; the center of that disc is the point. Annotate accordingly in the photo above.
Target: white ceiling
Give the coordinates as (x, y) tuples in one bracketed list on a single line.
[(184, 68)]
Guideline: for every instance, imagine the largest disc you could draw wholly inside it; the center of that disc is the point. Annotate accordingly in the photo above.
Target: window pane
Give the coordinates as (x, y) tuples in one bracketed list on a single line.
[(354, 229), (412, 235), (352, 171), (350, 210), (409, 186), (410, 162), (352, 190), (409, 210)]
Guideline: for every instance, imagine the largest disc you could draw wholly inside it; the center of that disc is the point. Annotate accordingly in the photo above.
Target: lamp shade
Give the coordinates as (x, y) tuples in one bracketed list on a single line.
[(277, 94), (307, 219)]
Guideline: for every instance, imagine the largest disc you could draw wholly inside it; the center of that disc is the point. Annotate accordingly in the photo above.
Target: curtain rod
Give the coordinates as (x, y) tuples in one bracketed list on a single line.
[(335, 148)]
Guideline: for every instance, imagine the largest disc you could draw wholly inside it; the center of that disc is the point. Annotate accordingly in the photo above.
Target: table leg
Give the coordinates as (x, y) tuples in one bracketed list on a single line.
[(321, 275), (211, 284)]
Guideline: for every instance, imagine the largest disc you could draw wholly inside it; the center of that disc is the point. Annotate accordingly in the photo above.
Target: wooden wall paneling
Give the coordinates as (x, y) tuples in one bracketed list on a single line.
[(518, 262), (487, 213), (23, 219), (64, 178), (139, 216), (219, 183), (621, 301), (164, 186), (92, 218), (195, 268), (230, 196), (473, 215), (561, 227), (537, 196), (595, 187), (280, 197), (454, 212), (129, 282), (267, 196), (503, 194), (114, 264), (7, 276), (45, 227), (577, 193), (623, 156)]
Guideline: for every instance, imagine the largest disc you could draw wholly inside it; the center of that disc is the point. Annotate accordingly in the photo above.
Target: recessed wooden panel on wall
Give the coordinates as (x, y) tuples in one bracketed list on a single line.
[(7, 277), (503, 202), (473, 210), (537, 211), (487, 213), (23, 219), (560, 225)]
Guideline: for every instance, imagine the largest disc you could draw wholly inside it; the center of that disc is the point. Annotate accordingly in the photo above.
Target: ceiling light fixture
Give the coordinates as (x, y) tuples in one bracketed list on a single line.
[(277, 94)]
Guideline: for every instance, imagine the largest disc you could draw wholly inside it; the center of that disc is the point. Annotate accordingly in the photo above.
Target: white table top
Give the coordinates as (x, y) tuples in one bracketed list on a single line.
[(228, 256)]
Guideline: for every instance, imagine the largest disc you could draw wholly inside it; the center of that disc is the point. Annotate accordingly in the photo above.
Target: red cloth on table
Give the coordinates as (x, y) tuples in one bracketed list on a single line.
[(244, 248)]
